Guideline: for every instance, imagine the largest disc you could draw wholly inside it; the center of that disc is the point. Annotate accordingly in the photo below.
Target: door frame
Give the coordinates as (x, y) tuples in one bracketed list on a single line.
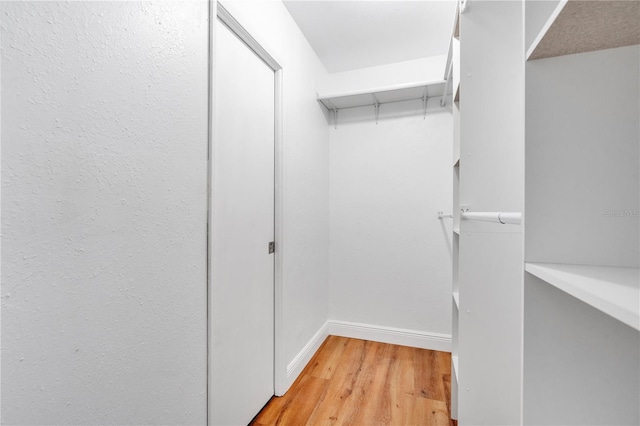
[(217, 11)]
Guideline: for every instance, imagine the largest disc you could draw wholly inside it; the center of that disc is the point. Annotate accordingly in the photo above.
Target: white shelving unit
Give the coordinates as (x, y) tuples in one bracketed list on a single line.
[(580, 26), (383, 95), (582, 296), (452, 74), (487, 176), (550, 124), (614, 291), (377, 96)]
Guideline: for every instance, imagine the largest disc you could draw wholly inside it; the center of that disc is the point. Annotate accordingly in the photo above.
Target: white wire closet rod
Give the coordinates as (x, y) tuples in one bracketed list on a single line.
[(514, 218)]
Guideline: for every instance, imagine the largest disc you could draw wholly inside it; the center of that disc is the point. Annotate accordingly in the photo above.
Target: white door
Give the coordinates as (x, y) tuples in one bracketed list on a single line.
[(242, 299)]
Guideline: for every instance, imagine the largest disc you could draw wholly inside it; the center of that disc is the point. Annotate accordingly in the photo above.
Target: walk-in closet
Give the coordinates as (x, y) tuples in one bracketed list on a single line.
[(291, 212)]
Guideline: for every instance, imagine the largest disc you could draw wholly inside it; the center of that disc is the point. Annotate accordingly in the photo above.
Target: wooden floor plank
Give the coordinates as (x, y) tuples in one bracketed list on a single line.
[(371, 405), (296, 409), (343, 395), (362, 383), (327, 358), (430, 412), (402, 386), (428, 375)]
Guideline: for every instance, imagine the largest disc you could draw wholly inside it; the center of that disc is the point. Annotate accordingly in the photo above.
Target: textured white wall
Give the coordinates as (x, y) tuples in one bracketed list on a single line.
[(390, 254), (306, 169), (104, 172)]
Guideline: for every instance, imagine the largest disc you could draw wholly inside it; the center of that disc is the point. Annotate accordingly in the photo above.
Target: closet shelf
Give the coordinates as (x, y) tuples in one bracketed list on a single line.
[(456, 299), (577, 26), (614, 291), (382, 95)]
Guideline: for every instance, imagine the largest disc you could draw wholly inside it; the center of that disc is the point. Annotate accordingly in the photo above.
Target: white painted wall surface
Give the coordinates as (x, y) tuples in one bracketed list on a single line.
[(390, 254), (363, 79), (104, 174), (582, 157), (306, 170)]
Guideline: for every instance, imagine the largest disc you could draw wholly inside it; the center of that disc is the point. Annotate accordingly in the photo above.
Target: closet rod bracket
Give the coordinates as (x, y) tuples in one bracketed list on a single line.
[(425, 100), (376, 106)]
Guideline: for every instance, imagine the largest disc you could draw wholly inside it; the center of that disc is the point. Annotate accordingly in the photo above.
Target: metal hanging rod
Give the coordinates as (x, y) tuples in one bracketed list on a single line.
[(514, 218)]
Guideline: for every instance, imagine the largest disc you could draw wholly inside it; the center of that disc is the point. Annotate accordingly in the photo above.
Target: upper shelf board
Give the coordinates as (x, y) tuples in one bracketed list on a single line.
[(614, 291), (383, 95), (578, 26)]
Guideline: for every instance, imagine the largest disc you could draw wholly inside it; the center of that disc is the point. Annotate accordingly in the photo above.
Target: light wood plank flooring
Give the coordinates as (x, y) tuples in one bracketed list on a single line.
[(361, 383)]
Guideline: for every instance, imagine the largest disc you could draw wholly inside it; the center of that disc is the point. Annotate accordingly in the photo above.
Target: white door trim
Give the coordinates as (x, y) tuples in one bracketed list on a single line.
[(217, 11)]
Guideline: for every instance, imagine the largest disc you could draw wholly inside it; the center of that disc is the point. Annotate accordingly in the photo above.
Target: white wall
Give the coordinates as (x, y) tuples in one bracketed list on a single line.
[(306, 174), (390, 254), (363, 79), (570, 167), (104, 180)]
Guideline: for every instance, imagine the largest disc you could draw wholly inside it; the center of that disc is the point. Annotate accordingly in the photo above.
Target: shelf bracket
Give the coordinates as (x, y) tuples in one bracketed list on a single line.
[(376, 106), (425, 99), (334, 110), (464, 6)]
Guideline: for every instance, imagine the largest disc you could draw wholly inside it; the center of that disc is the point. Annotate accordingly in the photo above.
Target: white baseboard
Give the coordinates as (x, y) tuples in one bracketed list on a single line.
[(395, 336), (301, 360)]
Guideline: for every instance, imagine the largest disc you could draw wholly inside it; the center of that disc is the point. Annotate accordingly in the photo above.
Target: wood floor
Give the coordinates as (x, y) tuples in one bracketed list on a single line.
[(361, 383)]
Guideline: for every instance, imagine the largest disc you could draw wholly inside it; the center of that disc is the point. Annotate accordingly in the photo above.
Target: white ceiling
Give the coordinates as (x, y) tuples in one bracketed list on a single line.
[(350, 34)]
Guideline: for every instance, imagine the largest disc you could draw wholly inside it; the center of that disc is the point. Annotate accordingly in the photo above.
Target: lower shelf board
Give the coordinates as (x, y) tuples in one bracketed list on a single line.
[(612, 290)]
